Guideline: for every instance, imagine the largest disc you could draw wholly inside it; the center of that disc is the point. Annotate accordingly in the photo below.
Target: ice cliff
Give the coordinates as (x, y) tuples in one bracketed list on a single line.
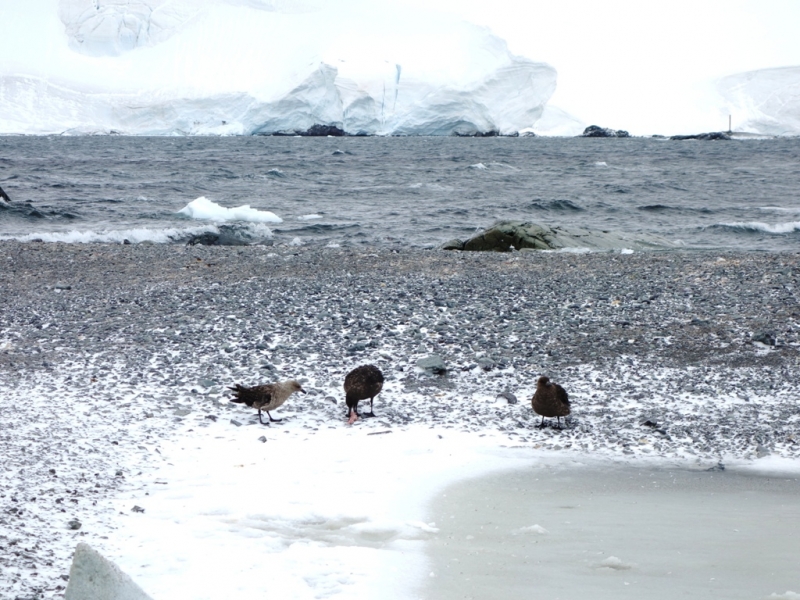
[(163, 67), (766, 101)]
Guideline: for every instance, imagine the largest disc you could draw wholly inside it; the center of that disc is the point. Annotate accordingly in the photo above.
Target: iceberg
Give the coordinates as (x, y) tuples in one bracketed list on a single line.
[(248, 67), (765, 101)]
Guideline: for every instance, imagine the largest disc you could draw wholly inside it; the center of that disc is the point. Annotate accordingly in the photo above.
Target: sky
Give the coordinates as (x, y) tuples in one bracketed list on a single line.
[(642, 65)]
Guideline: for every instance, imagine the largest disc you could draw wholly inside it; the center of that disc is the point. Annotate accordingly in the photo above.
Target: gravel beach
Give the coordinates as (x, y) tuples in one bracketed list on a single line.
[(107, 349)]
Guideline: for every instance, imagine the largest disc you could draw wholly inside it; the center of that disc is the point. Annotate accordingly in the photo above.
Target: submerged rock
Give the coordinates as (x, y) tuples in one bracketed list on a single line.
[(504, 236)]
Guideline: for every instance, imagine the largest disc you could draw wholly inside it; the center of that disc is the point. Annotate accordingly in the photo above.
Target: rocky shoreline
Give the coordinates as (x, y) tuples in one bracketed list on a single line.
[(105, 349)]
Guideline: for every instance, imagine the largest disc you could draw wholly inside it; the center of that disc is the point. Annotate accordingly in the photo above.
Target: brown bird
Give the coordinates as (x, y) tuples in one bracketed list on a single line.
[(550, 400), (361, 383), (266, 397)]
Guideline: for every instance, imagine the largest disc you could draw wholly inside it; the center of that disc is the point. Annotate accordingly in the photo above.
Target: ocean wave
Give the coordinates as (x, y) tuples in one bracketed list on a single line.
[(667, 207), (554, 205), (792, 210), (251, 233), (759, 227), (204, 209)]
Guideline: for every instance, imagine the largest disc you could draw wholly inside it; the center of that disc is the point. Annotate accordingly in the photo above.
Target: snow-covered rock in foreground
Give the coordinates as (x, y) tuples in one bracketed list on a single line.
[(766, 101), (94, 577), (162, 67)]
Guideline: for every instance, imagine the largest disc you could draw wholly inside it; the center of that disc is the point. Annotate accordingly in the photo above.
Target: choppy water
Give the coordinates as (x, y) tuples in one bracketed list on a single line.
[(386, 191)]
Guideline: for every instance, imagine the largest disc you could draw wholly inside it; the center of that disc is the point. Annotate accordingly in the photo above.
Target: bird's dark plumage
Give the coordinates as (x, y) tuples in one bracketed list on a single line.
[(266, 397), (4, 196), (361, 383), (550, 400)]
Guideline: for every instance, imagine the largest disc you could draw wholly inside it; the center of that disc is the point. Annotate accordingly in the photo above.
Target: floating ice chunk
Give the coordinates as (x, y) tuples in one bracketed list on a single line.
[(296, 242), (601, 163), (309, 217), (612, 562), (478, 166), (626, 251), (203, 208)]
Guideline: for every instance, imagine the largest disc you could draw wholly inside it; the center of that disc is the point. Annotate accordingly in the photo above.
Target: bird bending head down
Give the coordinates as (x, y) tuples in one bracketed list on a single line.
[(550, 400), (361, 383), (266, 397)]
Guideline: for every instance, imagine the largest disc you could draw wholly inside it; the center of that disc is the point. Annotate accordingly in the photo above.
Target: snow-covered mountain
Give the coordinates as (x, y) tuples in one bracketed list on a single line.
[(766, 101), (161, 67)]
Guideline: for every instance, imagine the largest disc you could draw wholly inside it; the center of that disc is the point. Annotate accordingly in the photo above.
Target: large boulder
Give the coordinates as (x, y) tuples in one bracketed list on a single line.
[(597, 131), (93, 577), (505, 236)]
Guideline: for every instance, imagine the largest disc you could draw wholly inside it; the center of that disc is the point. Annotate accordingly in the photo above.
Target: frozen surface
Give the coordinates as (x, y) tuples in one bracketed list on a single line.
[(219, 68), (598, 530), (766, 101)]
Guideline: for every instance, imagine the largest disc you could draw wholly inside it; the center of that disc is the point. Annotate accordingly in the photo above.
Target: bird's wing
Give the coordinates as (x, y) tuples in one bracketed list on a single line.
[(562, 395)]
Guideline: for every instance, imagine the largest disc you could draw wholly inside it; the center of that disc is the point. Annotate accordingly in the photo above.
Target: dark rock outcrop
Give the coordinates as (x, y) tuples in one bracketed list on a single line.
[(605, 132), (505, 236), (713, 135)]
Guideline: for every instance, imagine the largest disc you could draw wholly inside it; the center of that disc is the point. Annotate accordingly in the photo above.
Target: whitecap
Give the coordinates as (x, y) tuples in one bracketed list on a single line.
[(310, 217), (479, 166), (205, 209), (777, 228)]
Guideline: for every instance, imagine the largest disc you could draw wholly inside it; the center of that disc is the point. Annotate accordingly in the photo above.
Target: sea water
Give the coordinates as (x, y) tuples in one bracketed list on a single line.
[(415, 191), (618, 532)]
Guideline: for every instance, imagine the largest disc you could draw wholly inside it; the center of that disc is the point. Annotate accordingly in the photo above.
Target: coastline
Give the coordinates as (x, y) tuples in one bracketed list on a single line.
[(136, 344)]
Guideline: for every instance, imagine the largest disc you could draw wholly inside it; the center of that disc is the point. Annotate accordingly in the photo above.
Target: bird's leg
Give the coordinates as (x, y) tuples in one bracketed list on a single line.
[(273, 420), (352, 415), (541, 425), (371, 412), (259, 418)]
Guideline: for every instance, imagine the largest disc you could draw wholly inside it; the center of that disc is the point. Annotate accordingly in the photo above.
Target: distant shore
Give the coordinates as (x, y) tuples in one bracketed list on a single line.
[(685, 356)]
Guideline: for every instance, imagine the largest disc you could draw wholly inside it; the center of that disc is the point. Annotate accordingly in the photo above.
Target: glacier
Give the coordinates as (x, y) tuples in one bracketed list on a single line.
[(764, 101), (248, 67)]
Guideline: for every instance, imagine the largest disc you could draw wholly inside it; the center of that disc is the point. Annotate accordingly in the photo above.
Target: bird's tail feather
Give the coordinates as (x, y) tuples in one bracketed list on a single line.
[(237, 393)]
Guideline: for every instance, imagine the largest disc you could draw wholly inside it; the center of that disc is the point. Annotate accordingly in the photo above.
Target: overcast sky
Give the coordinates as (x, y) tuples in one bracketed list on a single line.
[(640, 64)]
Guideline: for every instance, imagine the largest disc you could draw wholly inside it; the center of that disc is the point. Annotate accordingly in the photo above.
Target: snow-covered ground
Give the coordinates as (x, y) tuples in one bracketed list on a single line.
[(117, 430)]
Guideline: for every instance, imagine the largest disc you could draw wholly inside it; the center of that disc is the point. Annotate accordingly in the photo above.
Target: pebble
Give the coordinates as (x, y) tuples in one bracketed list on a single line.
[(135, 339)]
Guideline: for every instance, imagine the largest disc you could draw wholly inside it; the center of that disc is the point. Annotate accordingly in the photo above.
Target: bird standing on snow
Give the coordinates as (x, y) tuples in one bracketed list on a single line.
[(550, 400), (361, 383), (266, 397)]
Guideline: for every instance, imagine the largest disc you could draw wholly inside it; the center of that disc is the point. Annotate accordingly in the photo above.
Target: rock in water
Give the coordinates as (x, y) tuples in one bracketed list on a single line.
[(93, 577), (266, 397), (361, 383), (504, 236), (550, 400), (597, 131)]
